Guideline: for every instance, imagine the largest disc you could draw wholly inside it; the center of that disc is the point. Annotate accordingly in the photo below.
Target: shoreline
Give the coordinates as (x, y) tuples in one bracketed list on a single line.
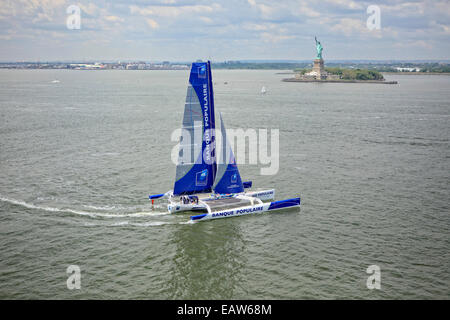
[(339, 81), (417, 73)]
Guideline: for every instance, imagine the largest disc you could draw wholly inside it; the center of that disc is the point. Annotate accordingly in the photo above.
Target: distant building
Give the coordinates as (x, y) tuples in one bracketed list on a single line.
[(84, 66), (407, 69), (131, 66)]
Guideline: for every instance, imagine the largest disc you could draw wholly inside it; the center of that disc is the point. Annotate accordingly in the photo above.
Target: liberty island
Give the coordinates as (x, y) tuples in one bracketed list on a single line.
[(319, 74)]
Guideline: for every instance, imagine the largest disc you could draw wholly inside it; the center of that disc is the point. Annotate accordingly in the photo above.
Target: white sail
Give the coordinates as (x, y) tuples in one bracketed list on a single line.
[(228, 179)]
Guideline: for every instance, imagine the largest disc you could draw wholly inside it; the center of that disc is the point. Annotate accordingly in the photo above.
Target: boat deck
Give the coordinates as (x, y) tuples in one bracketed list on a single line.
[(227, 203)]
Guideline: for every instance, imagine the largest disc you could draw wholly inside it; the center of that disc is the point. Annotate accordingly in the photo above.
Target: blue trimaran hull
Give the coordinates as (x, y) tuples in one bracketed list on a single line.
[(237, 212), (201, 171)]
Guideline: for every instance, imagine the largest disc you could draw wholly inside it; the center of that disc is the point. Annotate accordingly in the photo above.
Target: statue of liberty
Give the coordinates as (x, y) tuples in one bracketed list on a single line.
[(319, 49)]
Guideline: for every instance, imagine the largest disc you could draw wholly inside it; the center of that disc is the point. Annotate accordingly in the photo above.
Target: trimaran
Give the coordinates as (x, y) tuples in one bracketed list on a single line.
[(207, 182)]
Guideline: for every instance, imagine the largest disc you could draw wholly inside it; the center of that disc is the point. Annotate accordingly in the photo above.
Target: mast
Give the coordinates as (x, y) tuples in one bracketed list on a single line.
[(212, 121), (196, 168)]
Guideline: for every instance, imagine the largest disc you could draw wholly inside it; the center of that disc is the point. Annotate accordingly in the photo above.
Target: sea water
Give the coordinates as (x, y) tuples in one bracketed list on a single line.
[(79, 156)]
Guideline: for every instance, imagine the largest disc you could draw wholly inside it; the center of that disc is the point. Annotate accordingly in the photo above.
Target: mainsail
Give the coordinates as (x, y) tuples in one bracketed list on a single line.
[(196, 168), (228, 179)]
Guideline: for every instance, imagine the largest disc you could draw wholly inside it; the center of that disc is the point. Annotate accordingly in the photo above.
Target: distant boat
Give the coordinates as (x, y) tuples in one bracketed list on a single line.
[(55, 81), (263, 90)]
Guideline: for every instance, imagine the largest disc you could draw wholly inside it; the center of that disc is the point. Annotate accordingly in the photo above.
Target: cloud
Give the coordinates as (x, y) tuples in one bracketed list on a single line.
[(275, 38), (172, 11), (267, 11), (348, 4), (349, 26), (152, 23), (411, 44), (232, 29), (269, 32), (406, 9), (305, 10), (206, 20), (114, 19)]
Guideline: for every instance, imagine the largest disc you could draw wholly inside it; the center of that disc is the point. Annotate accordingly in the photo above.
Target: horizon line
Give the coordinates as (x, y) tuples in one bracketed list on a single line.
[(223, 61)]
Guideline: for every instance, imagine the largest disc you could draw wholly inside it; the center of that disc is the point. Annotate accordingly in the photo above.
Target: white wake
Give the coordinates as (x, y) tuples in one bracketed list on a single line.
[(83, 213)]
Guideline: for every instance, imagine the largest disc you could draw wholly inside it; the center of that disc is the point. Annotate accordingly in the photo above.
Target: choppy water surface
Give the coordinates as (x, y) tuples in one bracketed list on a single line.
[(78, 158)]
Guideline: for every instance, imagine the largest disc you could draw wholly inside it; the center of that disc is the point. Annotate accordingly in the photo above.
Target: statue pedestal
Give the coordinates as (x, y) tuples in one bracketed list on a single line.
[(319, 69)]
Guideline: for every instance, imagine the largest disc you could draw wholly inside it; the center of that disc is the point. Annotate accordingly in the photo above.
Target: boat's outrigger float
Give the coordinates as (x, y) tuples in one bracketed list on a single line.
[(205, 182)]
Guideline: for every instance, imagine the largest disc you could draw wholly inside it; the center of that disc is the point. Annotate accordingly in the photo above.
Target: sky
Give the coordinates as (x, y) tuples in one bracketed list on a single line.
[(176, 30)]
